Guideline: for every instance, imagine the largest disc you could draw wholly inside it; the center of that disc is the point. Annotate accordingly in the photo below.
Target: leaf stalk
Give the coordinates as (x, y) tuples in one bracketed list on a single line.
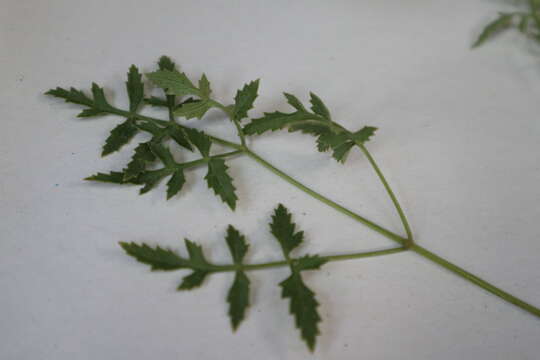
[(406, 243)]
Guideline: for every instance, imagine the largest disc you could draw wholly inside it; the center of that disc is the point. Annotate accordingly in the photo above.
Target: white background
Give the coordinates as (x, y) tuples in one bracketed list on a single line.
[(459, 139)]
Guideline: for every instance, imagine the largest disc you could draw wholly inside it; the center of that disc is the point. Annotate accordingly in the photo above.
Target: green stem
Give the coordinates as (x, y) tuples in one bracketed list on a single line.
[(402, 241), (325, 200), (191, 164), (388, 190), (273, 264), (202, 161), (236, 123), (405, 242), (165, 123), (240, 132), (338, 128), (475, 279)]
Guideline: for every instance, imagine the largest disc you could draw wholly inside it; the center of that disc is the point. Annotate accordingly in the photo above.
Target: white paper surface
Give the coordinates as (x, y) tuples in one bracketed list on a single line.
[(458, 140)]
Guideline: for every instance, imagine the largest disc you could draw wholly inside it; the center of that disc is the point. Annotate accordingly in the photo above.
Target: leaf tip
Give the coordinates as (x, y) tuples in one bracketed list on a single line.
[(124, 245)]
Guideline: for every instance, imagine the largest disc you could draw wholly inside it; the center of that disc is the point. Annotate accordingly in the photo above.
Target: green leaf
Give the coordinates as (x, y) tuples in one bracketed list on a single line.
[(504, 21), (341, 151), (200, 140), (143, 154), (237, 244), (196, 255), (179, 136), (98, 105), (194, 280), (187, 101), (283, 230), (155, 101), (309, 262), (72, 95), (91, 113), (195, 109), (113, 177), (275, 121), (244, 99), (150, 179), (238, 296), (119, 136), (364, 134), (175, 183), (331, 140), (294, 102), (303, 306), (218, 180), (99, 98), (165, 63), (150, 127), (135, 88), (204, 87), (318, 107), (174, 83), (238, 299), (158, 258), (312, 128), (163, 153)]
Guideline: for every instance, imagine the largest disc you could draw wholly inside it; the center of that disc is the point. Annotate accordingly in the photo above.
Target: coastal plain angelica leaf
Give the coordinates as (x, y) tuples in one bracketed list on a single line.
[(283, 230), (238, 298), (158, 258), (244, 99), (119, 136), (303, 306), (219, 180)]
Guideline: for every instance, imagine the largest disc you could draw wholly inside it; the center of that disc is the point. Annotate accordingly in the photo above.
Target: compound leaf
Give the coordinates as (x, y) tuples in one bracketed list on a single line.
[(237, 244), (309, 262), (294, 102), (303, 306), (158, 258), (244, 99), (200, 140), (72, 95), (165, 63), (155, 101), (91, 113), (179, 136), (175, 183), (219, 180), (341, 151), (196, 255), (119, 136), (113, 177), (100, 101), (204, 87), (195, 109), (174, 82), (135, 88), (275, 121), (96, 106), (150, 179), (283, 230), (193, 280), (163, 153), (137, 165), (318, 107), (364, 134), (238, 298), (503, 22)]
